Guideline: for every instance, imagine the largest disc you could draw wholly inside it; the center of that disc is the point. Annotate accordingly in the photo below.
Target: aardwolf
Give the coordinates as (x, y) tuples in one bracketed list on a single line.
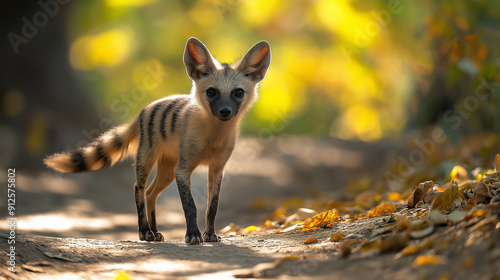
[(178, 133)]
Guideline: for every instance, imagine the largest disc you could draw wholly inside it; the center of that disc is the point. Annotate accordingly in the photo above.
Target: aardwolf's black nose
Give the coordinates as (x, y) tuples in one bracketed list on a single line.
[(225, 112)]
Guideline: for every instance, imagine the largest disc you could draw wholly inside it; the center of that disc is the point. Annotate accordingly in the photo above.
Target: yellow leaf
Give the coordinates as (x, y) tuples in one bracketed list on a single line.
[(458, 173), (395, 196), (268, 224), (336, 236), (497, 162), (279, 212), (321, 220), (311, 239), (409, 250), (449, 200), (382, 209), (428, 260), (250, 229), (122, 275)]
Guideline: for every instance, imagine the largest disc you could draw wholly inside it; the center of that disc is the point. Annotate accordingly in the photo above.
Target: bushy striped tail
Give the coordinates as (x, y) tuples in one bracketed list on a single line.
[(112, 146)]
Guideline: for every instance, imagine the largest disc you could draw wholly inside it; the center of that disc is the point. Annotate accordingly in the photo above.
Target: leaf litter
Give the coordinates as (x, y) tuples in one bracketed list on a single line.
[(419, 223)]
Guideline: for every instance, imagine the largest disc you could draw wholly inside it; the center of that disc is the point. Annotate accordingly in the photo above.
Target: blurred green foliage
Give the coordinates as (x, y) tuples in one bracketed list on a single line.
[(349, 69)]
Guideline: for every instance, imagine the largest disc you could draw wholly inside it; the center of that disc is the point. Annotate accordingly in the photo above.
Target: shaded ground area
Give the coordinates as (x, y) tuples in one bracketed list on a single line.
[(259, 178), (254, 256), (83, 226)]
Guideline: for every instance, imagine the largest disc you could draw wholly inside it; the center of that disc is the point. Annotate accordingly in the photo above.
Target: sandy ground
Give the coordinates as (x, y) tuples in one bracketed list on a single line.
[(83, 226), (279, 256)]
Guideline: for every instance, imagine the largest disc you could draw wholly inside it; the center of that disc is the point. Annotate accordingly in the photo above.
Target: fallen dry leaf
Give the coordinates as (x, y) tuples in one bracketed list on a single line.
[(230, 229), (321, 220), (395, 196), (416, 196), (268, 224), (458, 173), (382, 209), (121, 275), (403, 223), (336, 236), (465, 185), (431, 195), (481, 193), (250, 229), (409, 250), (437, 218), (420, 193), (368, 246), (449, 200), (421, 233), (311, 239), (426, 186), (393, 243), (428, 260), (456, 216)]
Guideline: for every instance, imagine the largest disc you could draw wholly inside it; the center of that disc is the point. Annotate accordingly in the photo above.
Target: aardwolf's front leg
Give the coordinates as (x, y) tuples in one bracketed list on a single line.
[(183, 178), (215, 177)]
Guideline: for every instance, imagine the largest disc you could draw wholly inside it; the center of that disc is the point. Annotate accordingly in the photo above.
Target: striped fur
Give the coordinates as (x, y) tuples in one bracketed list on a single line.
[(178, 133), (109, 148)]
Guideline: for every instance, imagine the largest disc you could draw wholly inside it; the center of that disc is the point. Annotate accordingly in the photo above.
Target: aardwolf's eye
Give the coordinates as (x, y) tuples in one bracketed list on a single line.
[(211, 92), (238, 93)]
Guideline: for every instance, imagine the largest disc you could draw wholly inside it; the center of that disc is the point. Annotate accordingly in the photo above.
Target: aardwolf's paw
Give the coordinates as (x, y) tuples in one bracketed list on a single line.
[(159, 237), (147, 236), (210, 237), (193, 237)]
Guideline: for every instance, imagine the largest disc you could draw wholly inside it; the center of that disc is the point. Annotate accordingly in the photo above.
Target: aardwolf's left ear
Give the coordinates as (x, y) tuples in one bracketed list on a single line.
[(256, 61)]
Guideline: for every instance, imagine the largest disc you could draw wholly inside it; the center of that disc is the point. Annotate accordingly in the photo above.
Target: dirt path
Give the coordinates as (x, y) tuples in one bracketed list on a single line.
[(98, 208), (264, 255)]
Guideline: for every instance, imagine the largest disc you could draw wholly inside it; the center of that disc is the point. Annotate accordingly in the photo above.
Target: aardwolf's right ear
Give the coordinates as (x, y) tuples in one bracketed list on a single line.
[(255, 63), (197, 59)]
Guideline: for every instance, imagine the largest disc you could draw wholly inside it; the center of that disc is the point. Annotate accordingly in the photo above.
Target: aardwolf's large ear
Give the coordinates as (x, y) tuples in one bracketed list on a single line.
[(256, 61), (197, 59)]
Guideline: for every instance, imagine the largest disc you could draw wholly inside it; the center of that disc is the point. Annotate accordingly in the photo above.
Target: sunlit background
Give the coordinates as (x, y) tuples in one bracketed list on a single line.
[(355, 70), (347, 69)]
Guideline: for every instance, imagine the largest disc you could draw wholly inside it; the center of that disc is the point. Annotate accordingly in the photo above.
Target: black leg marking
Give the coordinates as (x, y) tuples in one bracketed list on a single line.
[(209, 234), (153, 221), (193, 235), (157, 236), (213, 204), (144, 231)]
